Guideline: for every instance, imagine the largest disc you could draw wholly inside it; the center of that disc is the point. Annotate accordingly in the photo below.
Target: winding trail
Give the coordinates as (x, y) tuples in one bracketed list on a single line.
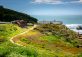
[(51, 47), (11, 39)]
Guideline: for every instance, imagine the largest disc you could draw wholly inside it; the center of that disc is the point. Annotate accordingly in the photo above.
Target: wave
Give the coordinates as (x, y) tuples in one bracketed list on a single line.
[(74, 27)]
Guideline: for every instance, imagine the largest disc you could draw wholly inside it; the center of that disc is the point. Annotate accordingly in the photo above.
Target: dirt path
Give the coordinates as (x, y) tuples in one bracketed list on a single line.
[(51, 46), (11, 39)]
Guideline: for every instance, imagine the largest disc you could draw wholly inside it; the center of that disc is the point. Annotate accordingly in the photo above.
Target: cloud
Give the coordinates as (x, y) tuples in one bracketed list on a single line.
[(80, 0), (47, 1), (55, 1)]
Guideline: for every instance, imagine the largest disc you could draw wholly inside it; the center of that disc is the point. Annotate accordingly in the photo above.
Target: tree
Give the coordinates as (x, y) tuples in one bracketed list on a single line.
[(8, 15)]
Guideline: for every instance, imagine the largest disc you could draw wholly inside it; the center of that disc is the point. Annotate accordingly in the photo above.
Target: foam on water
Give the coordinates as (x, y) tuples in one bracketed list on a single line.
[(73, 27)]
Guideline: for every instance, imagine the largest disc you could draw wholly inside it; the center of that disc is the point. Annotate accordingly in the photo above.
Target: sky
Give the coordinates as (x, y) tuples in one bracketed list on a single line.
[(45, 7), (48, 9)]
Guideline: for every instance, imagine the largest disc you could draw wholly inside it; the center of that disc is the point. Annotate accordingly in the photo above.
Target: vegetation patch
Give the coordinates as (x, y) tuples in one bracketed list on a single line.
[(7, 49), (60, 31), (8, 15), (40, 42)]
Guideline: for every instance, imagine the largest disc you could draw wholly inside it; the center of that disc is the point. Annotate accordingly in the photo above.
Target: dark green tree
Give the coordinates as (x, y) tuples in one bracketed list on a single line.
[(8, 15)]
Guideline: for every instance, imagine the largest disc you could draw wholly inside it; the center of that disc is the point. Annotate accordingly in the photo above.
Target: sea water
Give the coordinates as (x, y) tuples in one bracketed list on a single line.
[(66, 19), (71, 21)]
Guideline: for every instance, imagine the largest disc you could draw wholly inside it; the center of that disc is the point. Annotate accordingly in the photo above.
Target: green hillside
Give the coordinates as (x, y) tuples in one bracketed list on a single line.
[(8, 15), (47, 40), (7, 49), (61, 31)]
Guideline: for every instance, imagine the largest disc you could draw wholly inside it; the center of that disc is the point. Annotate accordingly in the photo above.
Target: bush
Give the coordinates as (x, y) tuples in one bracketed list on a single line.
[(59, 30)]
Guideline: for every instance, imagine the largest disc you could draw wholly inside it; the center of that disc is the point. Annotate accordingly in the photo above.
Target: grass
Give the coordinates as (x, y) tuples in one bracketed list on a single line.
[(50, 46), (50, 38), (55, 40), (16, 51), (25, 40), (7, 30), (7, 49), (37, 44), (80, 55)]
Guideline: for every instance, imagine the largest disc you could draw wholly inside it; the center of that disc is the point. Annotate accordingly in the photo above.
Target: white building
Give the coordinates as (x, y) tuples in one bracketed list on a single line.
[(50, 22)]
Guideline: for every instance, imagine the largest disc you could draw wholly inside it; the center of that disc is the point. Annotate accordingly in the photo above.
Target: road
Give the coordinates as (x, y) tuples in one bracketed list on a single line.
[(11, 39)]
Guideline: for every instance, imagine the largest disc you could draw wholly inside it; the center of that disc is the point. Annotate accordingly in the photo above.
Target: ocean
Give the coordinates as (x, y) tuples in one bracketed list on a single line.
[(66, 19), (70, 21)]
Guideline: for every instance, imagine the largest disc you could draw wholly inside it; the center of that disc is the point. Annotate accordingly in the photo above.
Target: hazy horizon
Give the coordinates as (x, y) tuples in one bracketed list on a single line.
[(47, 9)]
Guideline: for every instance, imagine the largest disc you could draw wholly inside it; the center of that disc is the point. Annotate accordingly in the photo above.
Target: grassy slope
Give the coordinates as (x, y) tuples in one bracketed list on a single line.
[(56, 41), (7, 49), (60, 31), (50, 45), (38, 45)]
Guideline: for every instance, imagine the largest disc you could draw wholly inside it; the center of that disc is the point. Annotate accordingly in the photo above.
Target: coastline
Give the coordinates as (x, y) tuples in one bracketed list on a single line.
[(74, 27)]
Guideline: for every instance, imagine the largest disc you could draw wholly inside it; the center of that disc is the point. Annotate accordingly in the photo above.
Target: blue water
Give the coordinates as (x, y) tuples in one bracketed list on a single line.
[(66, 19)]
